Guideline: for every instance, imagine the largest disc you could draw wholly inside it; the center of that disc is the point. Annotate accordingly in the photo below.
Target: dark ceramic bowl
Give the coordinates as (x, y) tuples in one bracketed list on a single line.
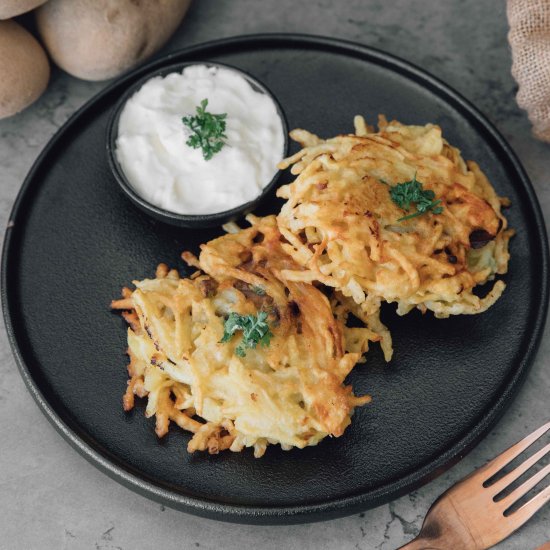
[(185, 220)]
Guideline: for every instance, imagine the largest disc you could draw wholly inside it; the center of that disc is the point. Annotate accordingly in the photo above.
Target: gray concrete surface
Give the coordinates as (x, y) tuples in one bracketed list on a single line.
[(51, 498)]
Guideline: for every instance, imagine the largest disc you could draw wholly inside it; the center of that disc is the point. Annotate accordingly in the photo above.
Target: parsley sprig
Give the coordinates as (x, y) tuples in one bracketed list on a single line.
[(255, 331), (409, 192), (209, 131)]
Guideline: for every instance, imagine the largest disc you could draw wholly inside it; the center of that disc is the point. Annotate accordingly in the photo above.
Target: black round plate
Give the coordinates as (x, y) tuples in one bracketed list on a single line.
[(75, 239)]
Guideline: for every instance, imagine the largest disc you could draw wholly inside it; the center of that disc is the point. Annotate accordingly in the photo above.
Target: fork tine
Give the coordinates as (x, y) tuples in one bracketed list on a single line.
[(507, 456), (521, 515), (524, 488), (510, 477)]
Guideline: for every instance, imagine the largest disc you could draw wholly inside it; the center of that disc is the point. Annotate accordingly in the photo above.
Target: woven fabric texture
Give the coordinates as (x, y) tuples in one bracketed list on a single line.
[(529, 38)]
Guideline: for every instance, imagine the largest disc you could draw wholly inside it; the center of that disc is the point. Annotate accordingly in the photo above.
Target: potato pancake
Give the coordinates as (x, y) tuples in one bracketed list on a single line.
[(351, 223), (290, 391)]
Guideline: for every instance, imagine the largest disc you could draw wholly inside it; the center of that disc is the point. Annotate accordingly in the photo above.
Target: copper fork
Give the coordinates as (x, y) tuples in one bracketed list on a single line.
[(469, 515)]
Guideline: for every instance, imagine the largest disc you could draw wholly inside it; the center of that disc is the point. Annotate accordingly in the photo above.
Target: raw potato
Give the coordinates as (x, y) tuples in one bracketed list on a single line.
[(11, 8), (99, 39), (24, 68)]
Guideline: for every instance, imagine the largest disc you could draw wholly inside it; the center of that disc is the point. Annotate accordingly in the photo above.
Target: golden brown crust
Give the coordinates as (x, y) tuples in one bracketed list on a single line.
[(345, 231), (291, 392)]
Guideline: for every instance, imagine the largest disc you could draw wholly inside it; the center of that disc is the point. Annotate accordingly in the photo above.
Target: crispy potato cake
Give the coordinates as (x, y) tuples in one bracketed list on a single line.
[(345, 229), (290, 391)]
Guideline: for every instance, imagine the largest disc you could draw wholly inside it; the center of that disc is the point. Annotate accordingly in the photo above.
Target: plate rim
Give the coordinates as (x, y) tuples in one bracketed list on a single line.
[(300, 513)]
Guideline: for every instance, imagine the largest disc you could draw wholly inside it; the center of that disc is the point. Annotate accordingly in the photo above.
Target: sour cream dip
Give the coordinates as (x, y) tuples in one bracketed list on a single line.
[(152, 149)]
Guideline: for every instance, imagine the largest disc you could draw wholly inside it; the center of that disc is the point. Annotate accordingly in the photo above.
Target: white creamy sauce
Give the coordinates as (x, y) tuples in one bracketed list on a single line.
[(152, 151)]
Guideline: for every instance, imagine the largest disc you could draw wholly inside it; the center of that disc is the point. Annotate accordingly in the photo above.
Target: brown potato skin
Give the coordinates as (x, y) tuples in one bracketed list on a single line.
[(101, 39), (11, 8), (24, 68)]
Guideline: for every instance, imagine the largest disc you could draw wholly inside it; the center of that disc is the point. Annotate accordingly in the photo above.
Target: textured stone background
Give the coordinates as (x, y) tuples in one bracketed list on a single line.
[(51, 498)]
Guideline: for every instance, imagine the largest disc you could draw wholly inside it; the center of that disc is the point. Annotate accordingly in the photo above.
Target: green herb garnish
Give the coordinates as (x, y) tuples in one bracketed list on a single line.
[(255, 331), (259, 290), (409, 192), (209, 131)]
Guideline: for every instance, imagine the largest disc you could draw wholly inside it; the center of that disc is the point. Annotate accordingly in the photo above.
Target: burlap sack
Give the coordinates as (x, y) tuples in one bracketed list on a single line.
[(530, 41)]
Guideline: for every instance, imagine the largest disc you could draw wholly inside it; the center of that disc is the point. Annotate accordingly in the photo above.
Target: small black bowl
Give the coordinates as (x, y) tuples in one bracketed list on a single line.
[(185, 220)]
